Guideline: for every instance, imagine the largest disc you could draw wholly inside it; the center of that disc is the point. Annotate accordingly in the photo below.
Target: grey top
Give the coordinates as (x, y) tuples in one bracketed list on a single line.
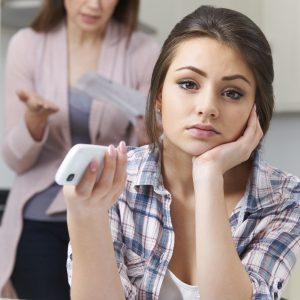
[(79, 107)]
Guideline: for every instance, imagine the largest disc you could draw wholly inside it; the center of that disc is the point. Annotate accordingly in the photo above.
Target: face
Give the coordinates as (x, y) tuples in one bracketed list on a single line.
[(206, 98), (90, 15)]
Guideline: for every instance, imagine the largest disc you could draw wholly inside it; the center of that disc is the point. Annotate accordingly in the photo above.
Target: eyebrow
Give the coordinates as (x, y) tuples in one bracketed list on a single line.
[(227, 78)]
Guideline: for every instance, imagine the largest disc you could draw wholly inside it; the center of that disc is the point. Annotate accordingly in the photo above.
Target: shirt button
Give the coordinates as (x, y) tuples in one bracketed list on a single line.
[(275, 295), (279, 285)]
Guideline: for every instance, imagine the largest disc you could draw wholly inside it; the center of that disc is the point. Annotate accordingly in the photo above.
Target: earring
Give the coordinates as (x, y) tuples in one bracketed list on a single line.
[(158, 110)]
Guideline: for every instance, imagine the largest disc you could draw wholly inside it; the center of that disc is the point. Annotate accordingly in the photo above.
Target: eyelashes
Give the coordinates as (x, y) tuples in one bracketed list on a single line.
[(188, 84), (233, 94), (192, 86)]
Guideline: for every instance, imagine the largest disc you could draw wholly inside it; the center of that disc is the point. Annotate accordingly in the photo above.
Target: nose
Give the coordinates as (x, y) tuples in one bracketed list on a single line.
[(206, 104), (94, 3)]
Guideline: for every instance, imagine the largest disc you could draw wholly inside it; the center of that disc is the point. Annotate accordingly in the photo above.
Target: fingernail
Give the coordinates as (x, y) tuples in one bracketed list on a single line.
[(255, 107), (123, 147), (111, 151), (93, 165)]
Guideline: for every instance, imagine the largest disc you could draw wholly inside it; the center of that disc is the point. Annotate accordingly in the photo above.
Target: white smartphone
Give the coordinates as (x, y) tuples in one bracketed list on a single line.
[(76, 162)]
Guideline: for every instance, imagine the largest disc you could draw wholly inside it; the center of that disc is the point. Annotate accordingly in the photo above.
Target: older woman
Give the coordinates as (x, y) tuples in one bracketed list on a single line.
[(46, 115)]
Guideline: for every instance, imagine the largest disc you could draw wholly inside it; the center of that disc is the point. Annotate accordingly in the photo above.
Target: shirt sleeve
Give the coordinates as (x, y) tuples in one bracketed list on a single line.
[(20, 150), (273, 251), (120, 248)]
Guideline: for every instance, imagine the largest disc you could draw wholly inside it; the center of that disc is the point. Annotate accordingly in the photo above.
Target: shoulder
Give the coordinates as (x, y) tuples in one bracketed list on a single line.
[(279, 179), (142, 54), (142, 154), (30, 36), (141, 159), (141, 42), (275, 185), (24, 36), (137, 42), (22, 49)]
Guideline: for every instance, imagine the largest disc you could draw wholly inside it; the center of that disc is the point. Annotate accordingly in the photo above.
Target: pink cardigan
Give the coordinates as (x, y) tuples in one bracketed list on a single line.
[(38, 62)]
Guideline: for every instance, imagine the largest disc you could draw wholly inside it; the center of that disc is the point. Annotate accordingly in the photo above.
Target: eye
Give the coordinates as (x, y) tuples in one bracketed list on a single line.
[(233, 94), (188, 84)]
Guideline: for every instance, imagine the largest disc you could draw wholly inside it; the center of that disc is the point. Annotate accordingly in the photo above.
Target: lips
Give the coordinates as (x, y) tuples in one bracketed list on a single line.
[(202, 131), (89, 18)]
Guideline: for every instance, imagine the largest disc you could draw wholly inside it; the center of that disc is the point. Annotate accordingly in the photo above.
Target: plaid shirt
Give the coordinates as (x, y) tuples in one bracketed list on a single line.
[(265, 227)]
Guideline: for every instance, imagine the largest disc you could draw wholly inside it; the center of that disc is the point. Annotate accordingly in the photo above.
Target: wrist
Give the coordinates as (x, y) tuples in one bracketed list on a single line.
[(207, 169), (36, 125), (82, 215), (207, 176), (79, 224)]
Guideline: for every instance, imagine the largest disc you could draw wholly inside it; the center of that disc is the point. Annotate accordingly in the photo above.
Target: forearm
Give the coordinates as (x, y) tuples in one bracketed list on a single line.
[(221, 274), (36, 126), (19, 150), (94, 272)]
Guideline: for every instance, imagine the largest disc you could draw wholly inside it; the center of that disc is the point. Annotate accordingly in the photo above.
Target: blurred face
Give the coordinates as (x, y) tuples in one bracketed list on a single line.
[(207, 96), (90, 15)]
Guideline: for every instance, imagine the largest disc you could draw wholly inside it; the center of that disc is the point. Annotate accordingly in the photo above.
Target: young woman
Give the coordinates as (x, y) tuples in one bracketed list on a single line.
[(200, 214), (46, 115)]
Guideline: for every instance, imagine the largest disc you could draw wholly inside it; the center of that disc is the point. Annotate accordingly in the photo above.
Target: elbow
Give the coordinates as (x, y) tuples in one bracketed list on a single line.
[(17, 168), (16, 165)]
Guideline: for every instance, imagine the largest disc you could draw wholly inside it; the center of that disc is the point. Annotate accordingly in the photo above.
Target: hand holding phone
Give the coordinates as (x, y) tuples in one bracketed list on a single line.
[(76, 162), (99, 174)]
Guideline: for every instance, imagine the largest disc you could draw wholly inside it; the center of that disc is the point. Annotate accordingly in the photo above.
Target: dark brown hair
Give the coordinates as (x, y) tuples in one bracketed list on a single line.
[(53, 12), (232, 28)]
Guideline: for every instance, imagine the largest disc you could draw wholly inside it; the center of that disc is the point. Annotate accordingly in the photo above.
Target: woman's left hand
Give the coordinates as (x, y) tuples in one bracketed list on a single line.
[(226, 156)]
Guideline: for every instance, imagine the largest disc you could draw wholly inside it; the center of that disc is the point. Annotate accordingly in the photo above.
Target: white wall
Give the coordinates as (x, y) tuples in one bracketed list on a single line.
[(282, 143), (281, 24), (164, 14)]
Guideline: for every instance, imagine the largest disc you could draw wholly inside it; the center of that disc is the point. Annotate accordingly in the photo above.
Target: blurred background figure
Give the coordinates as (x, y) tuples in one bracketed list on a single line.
[(46, 115)]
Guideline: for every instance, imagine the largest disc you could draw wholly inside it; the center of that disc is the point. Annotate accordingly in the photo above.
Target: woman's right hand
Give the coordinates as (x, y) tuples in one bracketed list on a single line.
[(37, 113), (90, 198)]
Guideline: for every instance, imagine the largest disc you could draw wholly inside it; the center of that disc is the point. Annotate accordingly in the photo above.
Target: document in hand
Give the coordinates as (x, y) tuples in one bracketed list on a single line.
[(98, 87)]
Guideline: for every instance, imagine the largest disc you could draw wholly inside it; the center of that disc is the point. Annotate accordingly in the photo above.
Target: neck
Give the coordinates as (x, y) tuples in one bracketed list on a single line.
[(77, 36), (177, 172)]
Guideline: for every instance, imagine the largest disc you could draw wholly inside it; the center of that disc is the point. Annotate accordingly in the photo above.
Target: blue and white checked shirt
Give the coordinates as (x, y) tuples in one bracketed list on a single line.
[(265, 227)]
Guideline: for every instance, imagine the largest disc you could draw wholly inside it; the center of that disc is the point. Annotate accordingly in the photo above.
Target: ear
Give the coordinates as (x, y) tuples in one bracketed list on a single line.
[(158, 101)]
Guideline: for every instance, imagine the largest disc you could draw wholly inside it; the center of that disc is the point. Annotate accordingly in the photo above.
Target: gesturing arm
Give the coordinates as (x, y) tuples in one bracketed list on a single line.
[(26, 114), (221, 274)]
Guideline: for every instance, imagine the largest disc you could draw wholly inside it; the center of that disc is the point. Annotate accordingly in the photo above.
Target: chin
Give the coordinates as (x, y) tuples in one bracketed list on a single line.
[(89, 28), (199, 150)]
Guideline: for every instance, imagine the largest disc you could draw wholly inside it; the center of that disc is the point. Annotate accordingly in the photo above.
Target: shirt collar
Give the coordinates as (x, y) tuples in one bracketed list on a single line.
[(260, 184), (144, 168)]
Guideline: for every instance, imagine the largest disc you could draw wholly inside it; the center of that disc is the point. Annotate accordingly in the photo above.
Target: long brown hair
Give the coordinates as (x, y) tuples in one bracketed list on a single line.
[(232, 28), (53, 12)]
